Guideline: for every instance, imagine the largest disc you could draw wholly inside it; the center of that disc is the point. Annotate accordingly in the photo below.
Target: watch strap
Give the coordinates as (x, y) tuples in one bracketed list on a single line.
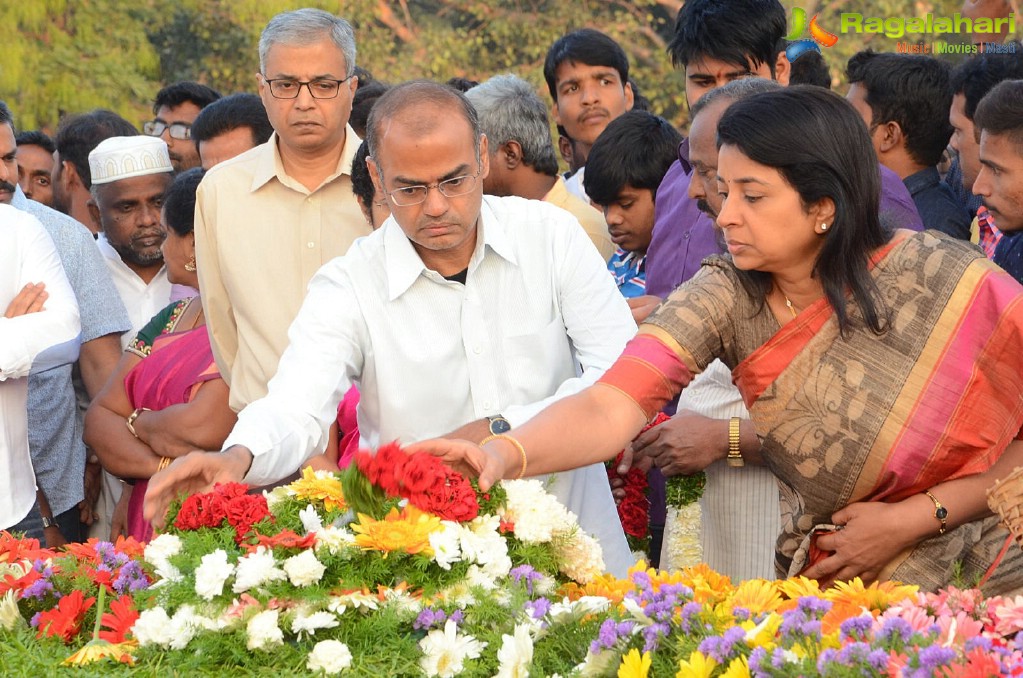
[(734, 458)]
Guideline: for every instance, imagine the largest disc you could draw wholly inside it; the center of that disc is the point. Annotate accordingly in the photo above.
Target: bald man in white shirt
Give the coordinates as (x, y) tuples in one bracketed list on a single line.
[(461, 312)]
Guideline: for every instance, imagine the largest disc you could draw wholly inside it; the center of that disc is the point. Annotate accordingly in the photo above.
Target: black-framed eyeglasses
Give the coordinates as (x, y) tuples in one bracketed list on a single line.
[(321, 88), (449, 188), (177, 130)]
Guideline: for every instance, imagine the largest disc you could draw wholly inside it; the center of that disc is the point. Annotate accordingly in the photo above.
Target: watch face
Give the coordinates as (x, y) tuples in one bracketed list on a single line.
[(941, 513), (499, 425)]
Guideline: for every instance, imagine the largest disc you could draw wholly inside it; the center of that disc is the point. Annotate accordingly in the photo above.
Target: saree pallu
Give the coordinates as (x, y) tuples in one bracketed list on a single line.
[(178, 364), (870, 417)]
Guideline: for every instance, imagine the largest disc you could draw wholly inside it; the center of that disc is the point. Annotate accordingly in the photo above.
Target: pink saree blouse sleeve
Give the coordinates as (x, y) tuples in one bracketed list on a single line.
[(649, 372)]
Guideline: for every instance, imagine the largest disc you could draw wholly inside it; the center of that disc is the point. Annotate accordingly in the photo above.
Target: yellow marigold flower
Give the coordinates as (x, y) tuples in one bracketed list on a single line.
[(877, 596), (738, 668), (698, 666), (634, 665), (707, 585), (325, 487), (605, 585), (757, 595), (407, 531), (97, 650)]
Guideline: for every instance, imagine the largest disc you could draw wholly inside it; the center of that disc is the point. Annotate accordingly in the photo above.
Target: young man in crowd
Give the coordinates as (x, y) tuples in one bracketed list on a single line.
[(627, 164), (999, 182), (904, 99), (229, 127), (35, 166), (176, 108), (492, 303), (522, 160), (587, 75)]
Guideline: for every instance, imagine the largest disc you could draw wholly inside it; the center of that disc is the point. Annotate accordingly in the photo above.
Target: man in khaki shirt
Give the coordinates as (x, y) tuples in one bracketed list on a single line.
[(522, 160), (267, 219)]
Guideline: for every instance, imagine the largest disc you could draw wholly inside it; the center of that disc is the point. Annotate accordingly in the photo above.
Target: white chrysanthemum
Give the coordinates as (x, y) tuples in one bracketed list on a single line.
[(311, 623), (10, 615), (311, 521), (482, 543), (256, 569), (581, 558), (444, 652), (596, 664), (444, 543), (183, 626), (263, 632), (158, 554), (329, 656), (333, 539), (538, 515), (153, 627), (516, 654), (211, 574), (355, 600), (304, 569), (277, 495)]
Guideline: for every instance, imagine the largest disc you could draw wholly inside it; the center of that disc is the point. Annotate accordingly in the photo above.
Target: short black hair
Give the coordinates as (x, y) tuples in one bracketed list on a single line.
[(179, 201), (912, 90), (977, 75), (639, 102), (1001, 112), (463, 85), (585, 46), (232, 112), (35, 138), (362, 104), (362, 182), (6, 117), (733, 31), (635, 149), (810, 69), (174, 95), (78, 135)]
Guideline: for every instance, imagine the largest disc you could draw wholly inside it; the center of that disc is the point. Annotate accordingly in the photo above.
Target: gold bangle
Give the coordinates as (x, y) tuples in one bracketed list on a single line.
[(164, 463), (734, 452), (130, 423), (513, 441)]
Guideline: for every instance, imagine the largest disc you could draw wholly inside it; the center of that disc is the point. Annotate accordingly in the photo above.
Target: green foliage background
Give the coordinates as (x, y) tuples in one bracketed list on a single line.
[(65, 56)]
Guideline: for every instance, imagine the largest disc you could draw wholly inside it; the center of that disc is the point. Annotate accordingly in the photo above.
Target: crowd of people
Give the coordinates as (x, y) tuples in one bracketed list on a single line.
[(823, 293)]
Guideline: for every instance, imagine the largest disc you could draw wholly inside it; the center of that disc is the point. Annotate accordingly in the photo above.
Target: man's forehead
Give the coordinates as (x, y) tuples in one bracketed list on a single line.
[(329, 59), (143, 187), (573, 70), (716, 67), (1001, 148)]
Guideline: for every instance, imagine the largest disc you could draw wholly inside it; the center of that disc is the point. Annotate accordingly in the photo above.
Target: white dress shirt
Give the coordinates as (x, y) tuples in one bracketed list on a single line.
[(142, 300), (430, 354), (34, 342)]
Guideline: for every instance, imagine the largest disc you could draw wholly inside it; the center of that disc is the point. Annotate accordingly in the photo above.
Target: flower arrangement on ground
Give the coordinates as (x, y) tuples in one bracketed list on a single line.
[(400, 567)]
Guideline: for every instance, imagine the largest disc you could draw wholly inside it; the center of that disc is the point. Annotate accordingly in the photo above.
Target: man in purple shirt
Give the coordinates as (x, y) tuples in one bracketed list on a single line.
[(712, 50)]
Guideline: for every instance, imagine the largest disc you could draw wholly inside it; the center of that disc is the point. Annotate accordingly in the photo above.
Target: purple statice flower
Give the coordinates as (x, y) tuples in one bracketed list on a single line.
[(758, 663), (538, 609), (853, 654), (825, 659), (652, 635), (878, 660), (429, 618), (797, 624), (130, 579), (982, 642), (527, 575), (856, 628), (457, 616), (813, 607), (778, 658), (930, 658), (722, 648), (38, 589), (741, 614), (34, 622), (690, 611), (609, 634), (895, 631)]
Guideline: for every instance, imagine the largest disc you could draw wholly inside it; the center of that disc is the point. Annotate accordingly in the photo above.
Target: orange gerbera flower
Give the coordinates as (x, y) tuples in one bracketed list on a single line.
[(65, 620), (119, 620), (325, 489), (407, 531), (605, 585), (877, 596), (707, 585)]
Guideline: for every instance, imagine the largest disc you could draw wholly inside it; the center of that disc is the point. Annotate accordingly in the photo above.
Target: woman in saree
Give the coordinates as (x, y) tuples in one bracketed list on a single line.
[(881, 369), (166, 397)]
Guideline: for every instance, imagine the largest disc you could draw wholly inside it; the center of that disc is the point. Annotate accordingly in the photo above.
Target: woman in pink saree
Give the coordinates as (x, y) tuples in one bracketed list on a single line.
[(166, 397), (881, 370)]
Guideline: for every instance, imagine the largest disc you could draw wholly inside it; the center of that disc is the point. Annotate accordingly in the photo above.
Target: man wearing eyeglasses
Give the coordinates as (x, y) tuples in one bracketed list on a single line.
[(268, 219), (463, 314), (176, 108)]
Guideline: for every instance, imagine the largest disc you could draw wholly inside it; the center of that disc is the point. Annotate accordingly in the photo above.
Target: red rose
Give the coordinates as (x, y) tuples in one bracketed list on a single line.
[(635, 518), (421, 472), (245, 511), (200, 510)]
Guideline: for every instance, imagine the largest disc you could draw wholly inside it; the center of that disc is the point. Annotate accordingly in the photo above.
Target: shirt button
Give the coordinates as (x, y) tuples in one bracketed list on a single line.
[(477, 350), (310, 244), (686, 236)]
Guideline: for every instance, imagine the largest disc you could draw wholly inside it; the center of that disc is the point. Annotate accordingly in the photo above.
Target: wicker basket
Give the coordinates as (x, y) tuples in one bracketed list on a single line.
[(1006, 500)]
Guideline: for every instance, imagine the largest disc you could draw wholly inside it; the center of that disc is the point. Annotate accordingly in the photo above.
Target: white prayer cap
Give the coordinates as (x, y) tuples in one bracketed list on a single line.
[(119, 158)]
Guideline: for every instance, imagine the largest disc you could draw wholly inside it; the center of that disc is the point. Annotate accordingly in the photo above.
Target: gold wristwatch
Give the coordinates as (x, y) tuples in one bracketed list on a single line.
[(734, 457)]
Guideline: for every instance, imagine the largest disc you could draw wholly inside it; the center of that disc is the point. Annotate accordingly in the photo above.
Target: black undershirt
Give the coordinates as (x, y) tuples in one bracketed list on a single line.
[(459, 277)]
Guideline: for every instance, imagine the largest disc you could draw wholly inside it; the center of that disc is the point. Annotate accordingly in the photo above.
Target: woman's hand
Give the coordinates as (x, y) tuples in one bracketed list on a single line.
[(195, 472), (466, 457), (873, 533)]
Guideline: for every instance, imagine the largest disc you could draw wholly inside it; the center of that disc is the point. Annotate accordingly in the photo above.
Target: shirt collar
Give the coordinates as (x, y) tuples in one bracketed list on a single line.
[(403, 265), (925, 178), (19, 200), (269, 164)]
